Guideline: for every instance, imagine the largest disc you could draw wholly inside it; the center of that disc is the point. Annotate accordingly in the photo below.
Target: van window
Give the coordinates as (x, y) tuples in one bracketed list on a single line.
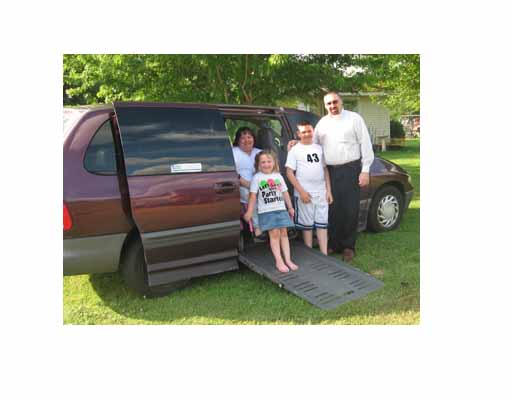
[(296, 116), (100, 154), (268, 131), (269, 134), (159, 140)]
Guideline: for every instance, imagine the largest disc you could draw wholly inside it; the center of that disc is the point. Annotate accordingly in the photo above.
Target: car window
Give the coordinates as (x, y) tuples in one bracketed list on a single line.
[(295, 117), (233, 125), (100, 154), (275, 128), (269, 134), (159, 140), (268, 131)]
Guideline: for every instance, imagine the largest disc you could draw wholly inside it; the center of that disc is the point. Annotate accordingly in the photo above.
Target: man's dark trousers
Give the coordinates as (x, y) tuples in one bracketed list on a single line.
[(344, 211)]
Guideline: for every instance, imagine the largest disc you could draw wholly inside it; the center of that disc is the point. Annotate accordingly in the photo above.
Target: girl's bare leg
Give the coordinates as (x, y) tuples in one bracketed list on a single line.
[(284, 242), (322, 238), (274, 242)]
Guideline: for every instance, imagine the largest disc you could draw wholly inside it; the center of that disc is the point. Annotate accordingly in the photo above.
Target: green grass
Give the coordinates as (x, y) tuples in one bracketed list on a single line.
[(243, 297)]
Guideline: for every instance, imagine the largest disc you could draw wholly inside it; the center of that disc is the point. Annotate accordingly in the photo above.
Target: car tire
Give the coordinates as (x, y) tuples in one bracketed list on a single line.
[(134, 272), (386, 209)]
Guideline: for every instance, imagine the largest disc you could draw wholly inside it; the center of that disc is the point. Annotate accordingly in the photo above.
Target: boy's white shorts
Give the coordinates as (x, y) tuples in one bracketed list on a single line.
[(311, 215)]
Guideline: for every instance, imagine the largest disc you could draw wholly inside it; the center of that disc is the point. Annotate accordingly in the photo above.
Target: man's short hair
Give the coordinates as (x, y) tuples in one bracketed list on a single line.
[(332, 93)]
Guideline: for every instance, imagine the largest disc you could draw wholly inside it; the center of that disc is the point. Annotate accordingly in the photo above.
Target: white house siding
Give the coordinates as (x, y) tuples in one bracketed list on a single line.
[(377, 119)]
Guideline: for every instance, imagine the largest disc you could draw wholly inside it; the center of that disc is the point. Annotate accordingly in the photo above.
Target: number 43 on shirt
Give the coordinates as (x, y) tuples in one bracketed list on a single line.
[(315, 158)]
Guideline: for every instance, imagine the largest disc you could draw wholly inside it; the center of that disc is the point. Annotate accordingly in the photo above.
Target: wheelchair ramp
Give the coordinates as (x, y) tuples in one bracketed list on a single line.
[(324, 281)]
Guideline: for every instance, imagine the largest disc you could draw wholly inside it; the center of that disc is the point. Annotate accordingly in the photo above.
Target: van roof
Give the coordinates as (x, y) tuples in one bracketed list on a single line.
[(225, 107)]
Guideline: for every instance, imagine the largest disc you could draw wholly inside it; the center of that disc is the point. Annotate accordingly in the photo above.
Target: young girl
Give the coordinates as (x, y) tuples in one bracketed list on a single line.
[(269, 192)]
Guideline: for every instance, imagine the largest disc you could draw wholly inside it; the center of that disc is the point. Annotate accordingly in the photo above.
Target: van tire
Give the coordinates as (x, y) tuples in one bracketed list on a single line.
[(134, 272)]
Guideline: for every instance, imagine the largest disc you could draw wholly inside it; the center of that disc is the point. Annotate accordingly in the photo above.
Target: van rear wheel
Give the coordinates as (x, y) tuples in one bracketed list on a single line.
[(134, 272)]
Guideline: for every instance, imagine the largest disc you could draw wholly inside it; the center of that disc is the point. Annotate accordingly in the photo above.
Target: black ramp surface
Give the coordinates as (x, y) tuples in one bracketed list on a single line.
[(323, 281)]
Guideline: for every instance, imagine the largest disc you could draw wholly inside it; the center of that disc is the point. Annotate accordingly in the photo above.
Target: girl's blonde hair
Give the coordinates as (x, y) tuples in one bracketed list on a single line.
[(271, 154)]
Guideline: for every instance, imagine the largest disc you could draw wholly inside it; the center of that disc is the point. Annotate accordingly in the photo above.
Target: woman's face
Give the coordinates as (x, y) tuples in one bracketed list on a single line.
[(246, 142)]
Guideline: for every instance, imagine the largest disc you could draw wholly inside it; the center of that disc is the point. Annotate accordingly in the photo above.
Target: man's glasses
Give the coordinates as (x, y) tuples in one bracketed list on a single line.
[(332, 102)]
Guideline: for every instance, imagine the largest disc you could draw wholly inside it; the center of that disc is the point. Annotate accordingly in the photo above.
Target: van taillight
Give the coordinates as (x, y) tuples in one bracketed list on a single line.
[(68, 223)]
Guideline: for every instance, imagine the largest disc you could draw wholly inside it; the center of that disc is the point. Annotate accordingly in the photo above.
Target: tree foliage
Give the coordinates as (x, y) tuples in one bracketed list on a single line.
[(398, 75), (267, 79)]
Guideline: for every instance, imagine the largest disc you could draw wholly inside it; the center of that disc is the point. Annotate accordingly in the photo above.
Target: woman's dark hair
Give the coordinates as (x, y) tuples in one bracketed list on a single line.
[(240, 131)]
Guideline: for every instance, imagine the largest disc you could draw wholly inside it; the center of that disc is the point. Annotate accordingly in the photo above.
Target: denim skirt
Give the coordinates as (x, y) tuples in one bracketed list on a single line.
[(278, 219)]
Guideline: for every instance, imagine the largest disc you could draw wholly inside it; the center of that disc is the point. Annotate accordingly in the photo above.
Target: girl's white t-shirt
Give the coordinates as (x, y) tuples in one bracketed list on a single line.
[(269, 189)]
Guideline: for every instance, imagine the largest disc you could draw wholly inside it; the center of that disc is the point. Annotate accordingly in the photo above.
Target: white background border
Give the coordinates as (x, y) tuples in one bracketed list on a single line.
[(457, 350)]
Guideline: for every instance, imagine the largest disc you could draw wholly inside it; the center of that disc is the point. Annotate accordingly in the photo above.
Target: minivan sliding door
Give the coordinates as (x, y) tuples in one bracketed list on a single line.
[(183, 188)]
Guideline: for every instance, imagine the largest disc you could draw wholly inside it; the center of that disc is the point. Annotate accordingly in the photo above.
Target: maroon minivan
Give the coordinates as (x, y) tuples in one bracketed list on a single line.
[(151, 189)]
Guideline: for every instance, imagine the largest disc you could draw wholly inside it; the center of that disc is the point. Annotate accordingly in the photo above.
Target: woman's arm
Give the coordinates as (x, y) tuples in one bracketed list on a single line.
[(244, 183), (251, 205)]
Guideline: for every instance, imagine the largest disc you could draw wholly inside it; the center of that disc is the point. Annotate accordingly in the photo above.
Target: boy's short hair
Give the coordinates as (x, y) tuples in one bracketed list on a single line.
[(267, 152), (302, 123)]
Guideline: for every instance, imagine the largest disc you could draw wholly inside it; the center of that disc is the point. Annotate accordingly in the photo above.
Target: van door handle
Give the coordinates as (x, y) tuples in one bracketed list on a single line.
[(224, 187)]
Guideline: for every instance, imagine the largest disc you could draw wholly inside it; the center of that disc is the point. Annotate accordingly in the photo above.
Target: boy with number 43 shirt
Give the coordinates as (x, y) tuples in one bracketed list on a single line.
[(307, 172)]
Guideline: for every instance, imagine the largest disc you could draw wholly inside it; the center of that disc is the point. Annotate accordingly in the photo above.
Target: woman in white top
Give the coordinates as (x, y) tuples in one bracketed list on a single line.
[(244, 151)]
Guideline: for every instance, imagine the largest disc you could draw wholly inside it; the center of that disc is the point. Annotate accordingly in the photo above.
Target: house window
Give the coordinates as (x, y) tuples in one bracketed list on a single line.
[(351, 104)]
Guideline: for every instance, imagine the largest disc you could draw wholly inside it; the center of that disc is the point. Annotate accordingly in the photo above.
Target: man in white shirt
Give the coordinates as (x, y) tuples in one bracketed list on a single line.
[(348, 154)]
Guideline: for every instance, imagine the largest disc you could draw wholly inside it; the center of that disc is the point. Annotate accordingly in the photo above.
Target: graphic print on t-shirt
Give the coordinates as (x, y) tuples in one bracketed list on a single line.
[(271, 190)]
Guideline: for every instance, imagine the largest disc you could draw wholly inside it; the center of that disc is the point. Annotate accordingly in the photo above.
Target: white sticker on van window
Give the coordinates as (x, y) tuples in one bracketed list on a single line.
[(186, 168)]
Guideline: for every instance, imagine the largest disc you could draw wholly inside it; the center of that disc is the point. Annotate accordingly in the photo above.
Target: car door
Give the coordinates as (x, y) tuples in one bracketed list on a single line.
[(183, 186)]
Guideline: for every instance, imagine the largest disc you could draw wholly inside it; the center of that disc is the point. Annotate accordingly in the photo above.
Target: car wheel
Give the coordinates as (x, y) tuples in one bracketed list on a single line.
[(386, 209), (134, 273)]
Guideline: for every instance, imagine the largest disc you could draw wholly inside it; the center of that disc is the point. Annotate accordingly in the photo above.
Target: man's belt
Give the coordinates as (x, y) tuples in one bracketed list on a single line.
[(353, 163)]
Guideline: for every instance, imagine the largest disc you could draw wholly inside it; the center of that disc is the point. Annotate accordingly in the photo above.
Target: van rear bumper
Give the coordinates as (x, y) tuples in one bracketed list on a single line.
[(99, 254)]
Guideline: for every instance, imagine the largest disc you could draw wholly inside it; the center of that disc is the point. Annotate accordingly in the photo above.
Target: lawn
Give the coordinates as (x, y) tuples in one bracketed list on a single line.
[(243, 297)]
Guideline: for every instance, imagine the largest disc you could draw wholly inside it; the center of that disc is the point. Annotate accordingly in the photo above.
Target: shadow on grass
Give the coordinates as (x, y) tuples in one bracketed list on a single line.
[(272, 306), (244, 296)]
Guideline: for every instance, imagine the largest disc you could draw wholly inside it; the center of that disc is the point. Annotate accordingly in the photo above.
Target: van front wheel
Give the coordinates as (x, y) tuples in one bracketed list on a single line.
[(386, 209), (134, 272)]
